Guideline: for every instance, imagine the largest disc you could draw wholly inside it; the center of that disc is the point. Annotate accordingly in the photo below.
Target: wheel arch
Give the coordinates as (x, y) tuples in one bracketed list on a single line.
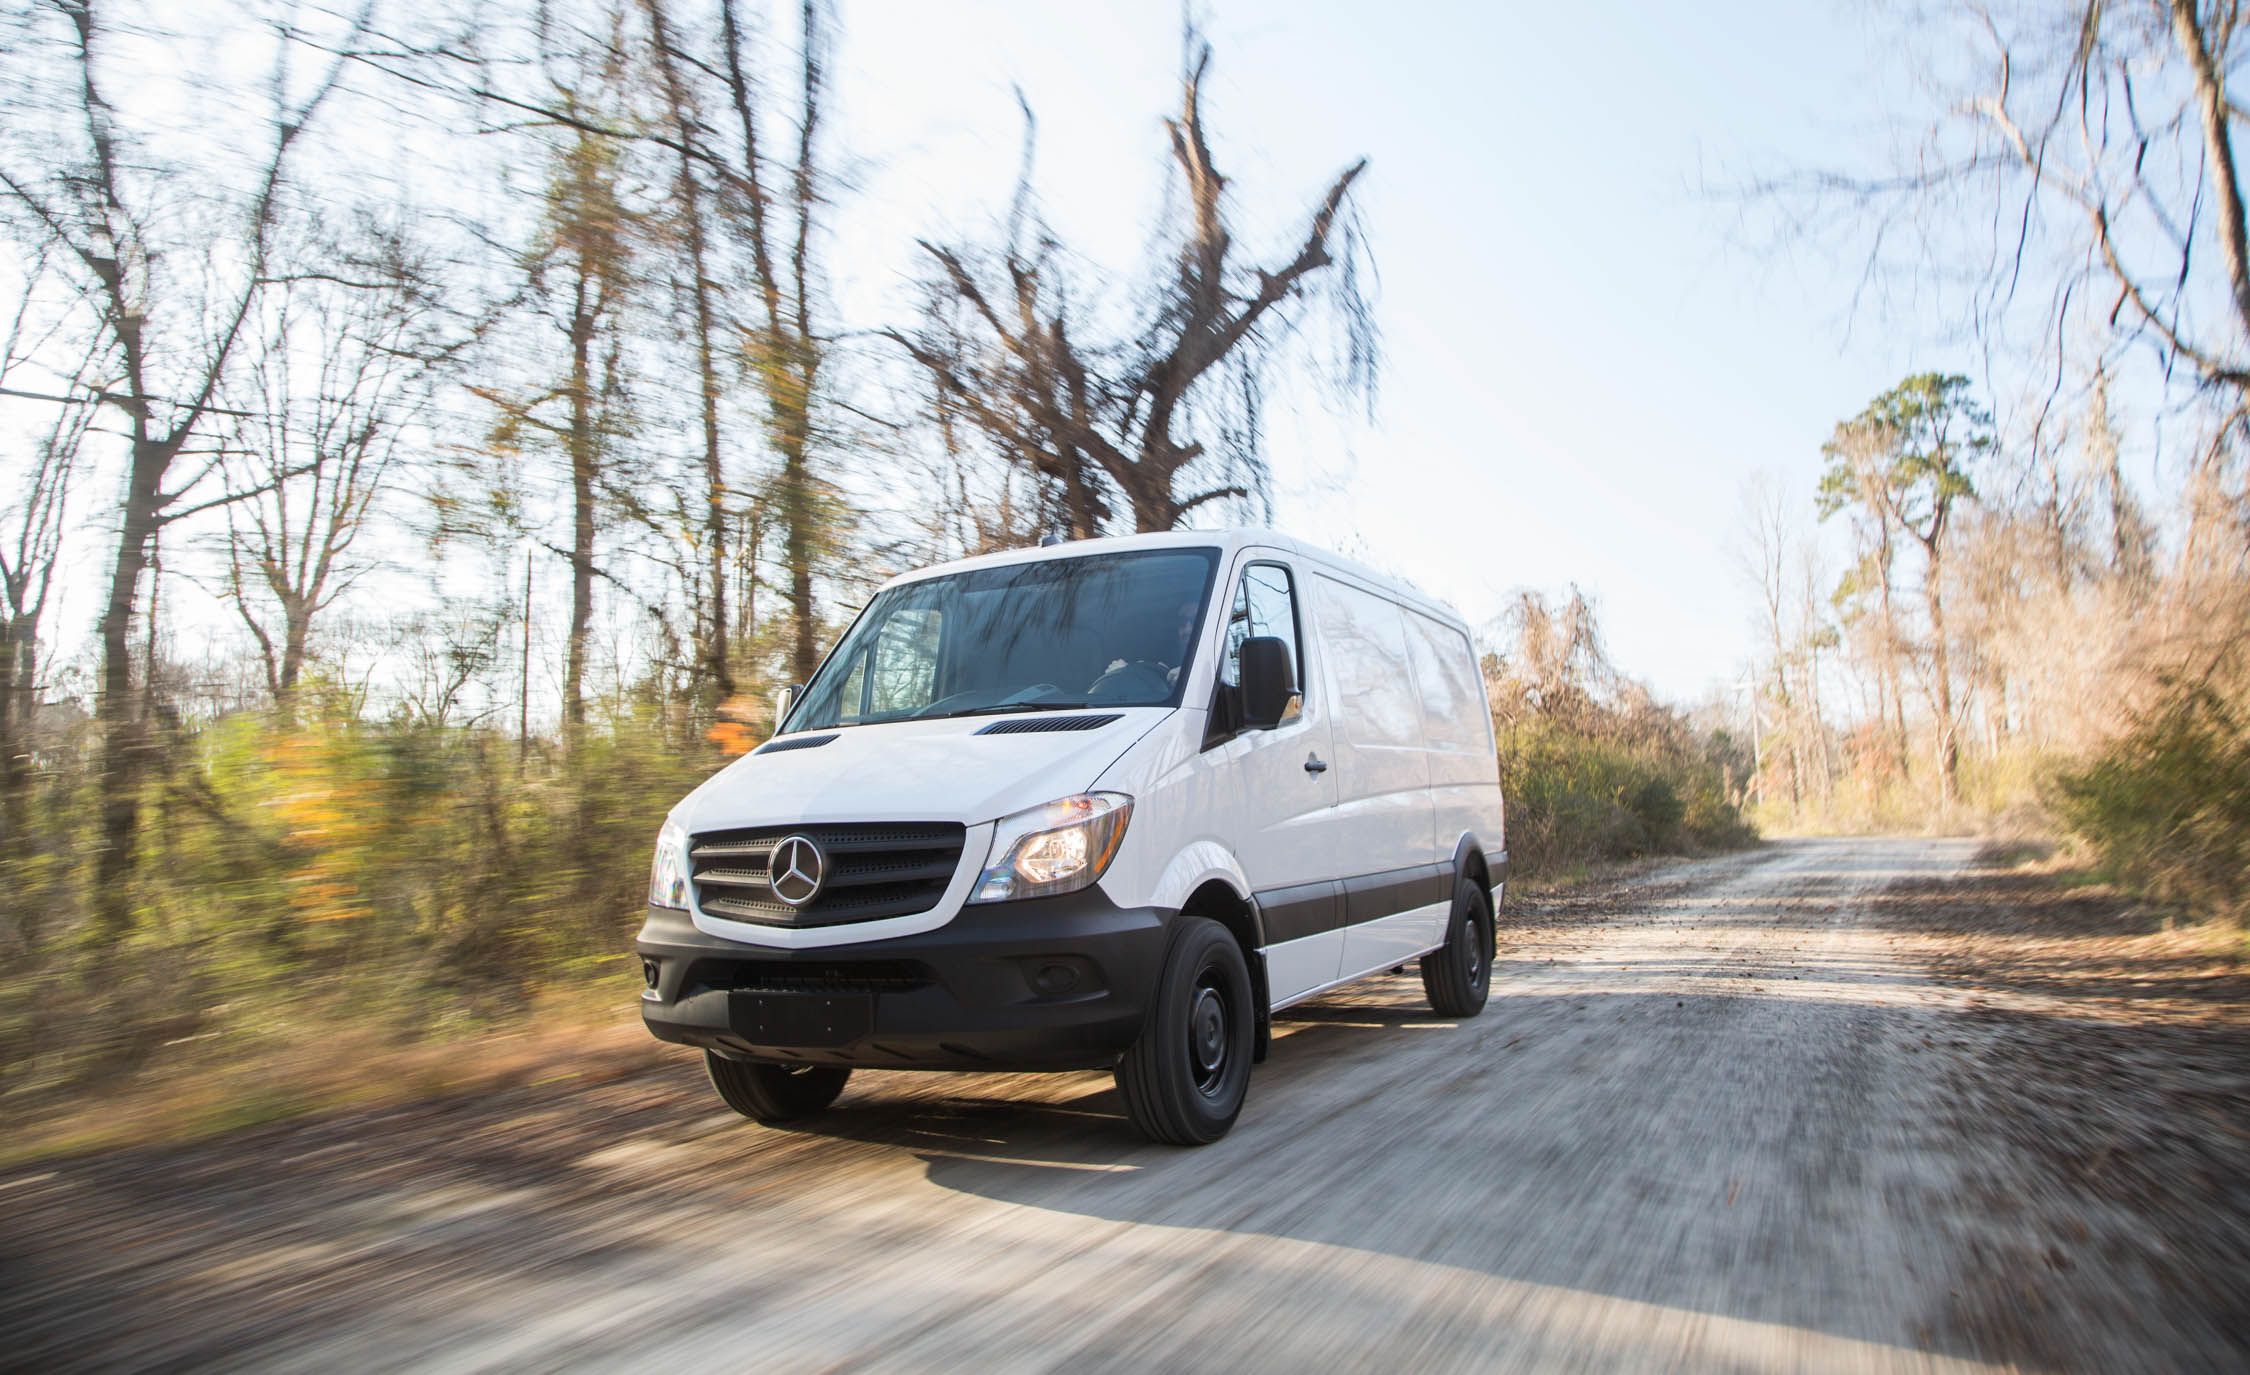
[(1470, 860)]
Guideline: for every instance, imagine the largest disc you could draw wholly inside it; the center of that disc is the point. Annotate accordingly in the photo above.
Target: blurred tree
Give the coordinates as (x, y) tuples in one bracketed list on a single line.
[(170, 297), (578, 270), (689, 218), (787, 350), (342, 367), (32, 528)]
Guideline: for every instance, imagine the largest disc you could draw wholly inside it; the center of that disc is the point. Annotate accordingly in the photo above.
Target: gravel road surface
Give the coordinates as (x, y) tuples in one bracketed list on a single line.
[(1719, 1116)]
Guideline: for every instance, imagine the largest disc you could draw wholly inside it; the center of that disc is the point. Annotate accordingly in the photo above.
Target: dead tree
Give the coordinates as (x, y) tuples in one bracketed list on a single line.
[(1164, 416)]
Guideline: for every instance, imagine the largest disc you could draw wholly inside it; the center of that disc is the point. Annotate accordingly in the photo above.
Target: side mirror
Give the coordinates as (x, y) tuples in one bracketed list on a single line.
[(783, 700), (1269, 682)]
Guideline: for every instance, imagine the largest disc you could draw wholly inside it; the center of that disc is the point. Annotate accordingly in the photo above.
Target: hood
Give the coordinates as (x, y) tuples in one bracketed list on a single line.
[(941, 770)]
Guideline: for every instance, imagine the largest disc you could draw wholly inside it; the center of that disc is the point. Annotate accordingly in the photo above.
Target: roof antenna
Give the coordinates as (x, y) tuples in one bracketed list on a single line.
[(1053, 538)]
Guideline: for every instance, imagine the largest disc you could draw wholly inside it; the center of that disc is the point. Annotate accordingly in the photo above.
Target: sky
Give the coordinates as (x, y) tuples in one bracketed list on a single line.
[(1586, 355)]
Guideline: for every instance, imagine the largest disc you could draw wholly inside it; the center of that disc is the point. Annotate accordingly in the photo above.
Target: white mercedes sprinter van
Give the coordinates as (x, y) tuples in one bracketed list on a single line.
[(1106, 804)]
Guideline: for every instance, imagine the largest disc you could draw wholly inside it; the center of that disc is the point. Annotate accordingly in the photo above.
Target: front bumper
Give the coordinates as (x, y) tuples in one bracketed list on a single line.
[(1045, 983)]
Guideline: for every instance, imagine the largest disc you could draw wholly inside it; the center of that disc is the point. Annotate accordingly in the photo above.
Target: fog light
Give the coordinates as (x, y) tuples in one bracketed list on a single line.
[(649, 973), (1051, 979)]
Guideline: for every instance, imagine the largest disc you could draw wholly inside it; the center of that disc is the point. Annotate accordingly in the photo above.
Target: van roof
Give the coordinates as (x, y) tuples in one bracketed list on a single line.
[(1227, 541)]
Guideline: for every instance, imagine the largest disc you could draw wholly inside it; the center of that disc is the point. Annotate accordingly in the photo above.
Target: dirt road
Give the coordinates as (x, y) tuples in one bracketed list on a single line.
[(1734, 1114)]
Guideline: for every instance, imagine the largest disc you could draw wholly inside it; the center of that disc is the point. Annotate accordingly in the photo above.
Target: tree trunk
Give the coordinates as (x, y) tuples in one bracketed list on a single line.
[(18, 701), (1948, 746), (2218, 147), (797, 550), (296, 633), (716, 660), (1890, 674), (584, 458), (124, 731)]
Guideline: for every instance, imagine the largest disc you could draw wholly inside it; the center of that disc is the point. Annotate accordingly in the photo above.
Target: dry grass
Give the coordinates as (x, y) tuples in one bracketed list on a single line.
[(587, 1036)]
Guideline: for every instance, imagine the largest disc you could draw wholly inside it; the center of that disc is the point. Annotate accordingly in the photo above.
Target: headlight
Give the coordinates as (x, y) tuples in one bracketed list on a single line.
[(668, 872), (1059, 847)]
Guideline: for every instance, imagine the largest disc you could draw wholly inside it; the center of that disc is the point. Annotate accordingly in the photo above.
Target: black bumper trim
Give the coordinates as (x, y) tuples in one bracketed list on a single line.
[(1045, 983)]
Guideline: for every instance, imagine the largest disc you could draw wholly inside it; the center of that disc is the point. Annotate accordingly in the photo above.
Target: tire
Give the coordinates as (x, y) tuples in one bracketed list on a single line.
[(1184, 1079), (1458, 975), (775, 1093)]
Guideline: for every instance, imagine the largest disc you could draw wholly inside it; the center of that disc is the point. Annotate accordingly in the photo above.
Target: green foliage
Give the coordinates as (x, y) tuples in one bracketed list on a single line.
[(1909, 453), (2166, 807), (1577, 797)]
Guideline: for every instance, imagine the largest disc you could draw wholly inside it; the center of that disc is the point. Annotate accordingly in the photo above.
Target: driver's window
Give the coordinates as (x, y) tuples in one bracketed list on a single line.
[(1265, 603)]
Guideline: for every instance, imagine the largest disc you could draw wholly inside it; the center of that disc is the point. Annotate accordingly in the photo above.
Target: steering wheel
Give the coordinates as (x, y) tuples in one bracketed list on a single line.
[(1142, 679)]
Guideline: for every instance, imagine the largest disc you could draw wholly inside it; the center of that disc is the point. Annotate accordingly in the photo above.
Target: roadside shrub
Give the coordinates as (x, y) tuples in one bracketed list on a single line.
[(1576, 799), (2165, 808), (307, 875)]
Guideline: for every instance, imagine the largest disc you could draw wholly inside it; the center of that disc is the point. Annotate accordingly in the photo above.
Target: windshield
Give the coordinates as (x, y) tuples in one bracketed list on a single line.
[(1109, 630)]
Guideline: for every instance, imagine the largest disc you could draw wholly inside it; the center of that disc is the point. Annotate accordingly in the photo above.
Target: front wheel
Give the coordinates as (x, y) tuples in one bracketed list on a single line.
[(1184, 1079), (1458, 975), (775, 1093)]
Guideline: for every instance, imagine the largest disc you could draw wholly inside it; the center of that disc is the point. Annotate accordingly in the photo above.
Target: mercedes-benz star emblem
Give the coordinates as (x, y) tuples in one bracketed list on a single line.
[(796, 869)]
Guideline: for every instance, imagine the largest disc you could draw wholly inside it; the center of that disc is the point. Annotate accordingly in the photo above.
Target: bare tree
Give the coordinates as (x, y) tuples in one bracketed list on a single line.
[(579, 271), (2132, 539), (32, 527), (1765, 564), (706, 299), (340, 372), (787, 349), (1169, 417), (175, 333), (2085, 185)]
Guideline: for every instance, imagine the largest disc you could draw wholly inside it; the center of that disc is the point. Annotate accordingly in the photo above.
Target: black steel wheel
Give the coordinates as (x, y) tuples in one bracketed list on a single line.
[(1185, 1078), (1458, 976)]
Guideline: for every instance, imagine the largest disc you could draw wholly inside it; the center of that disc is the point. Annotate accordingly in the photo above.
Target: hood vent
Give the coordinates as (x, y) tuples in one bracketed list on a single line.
[(794, 742), (1041, 725)]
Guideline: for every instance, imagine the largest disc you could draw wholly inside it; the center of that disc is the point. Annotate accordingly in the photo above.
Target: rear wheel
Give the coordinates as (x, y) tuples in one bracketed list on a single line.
[(1458, 975), (775, 1093), (1184, 1080)]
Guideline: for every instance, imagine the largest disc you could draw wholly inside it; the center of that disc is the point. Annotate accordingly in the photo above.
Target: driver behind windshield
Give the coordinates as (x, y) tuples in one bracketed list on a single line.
[(1168, 651)]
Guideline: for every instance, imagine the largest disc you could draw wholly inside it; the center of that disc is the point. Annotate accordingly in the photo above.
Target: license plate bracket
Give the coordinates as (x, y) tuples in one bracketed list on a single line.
[(784, 1019)]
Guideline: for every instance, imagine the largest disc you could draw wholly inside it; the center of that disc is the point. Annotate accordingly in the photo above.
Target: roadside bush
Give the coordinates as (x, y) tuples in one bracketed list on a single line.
[(304, 876), (1594, 767), (2165, 808), (1577, 798)]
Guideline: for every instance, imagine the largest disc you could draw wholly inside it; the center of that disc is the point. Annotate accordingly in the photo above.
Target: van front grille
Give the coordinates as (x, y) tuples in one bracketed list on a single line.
[(871, 872)]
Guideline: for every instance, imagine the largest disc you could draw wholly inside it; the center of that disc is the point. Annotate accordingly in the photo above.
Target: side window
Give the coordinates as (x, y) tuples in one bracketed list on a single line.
[(1265, 603), (1453, 708), (1366, 636)]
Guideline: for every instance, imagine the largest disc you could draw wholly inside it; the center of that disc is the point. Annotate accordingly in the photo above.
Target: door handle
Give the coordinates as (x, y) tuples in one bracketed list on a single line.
[(1315, 764)]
